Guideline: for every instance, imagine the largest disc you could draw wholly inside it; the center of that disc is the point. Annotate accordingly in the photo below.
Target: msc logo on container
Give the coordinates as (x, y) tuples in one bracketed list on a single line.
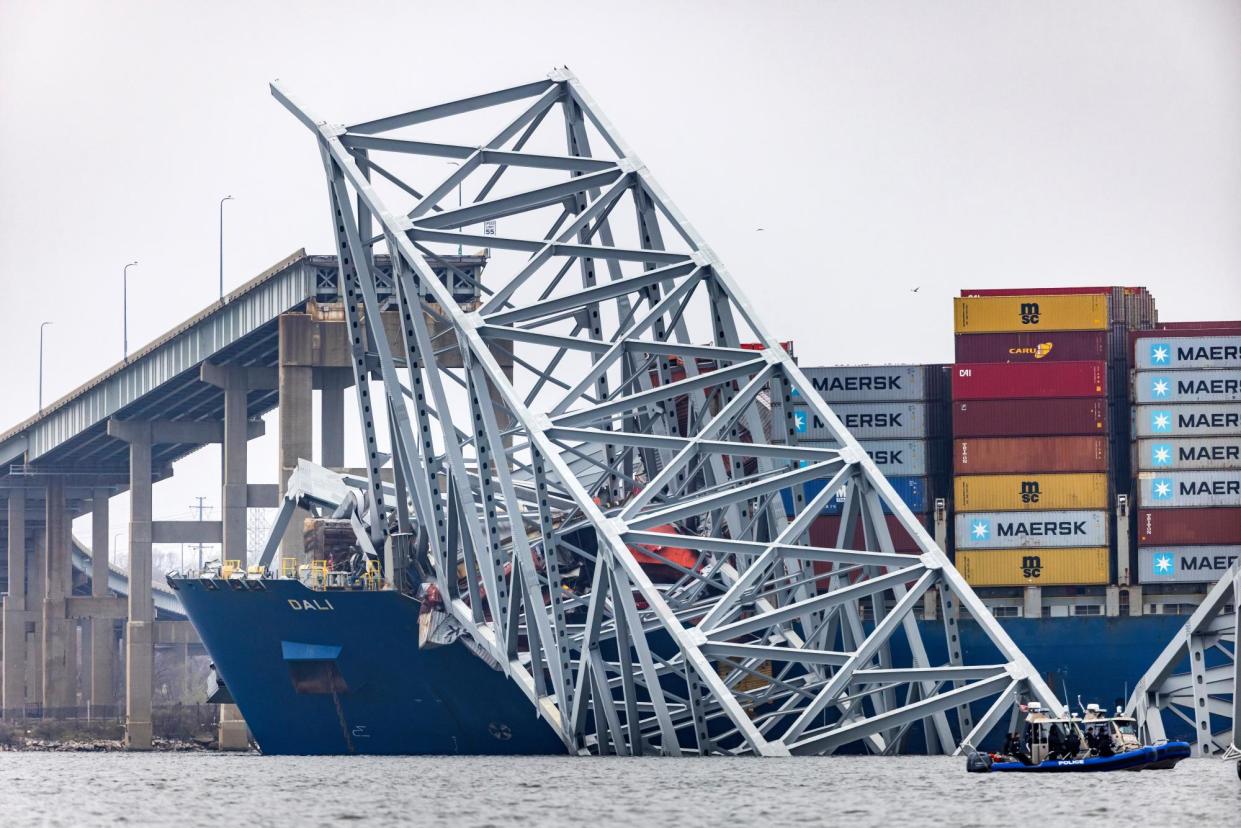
[(1031, 566), (1029, 313), (1029, 491), (1164, 564), (1161, 455), (1161, 489), (1160, 387), (1161, 353)]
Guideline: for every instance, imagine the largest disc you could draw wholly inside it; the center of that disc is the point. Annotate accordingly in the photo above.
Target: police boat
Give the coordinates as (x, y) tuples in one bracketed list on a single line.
[(1092, 743)]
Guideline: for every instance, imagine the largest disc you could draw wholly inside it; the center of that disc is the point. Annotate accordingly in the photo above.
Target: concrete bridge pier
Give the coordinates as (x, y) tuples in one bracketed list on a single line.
[(102, 646), (60, 679), (35, 576), (139, 633), (13, 676), (237, 495)]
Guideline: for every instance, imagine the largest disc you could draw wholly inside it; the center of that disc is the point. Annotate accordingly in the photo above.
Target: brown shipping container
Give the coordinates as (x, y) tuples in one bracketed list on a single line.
[(1040, 346), (1168, 527), (823, 533), (1001, 455), (1034, 418)]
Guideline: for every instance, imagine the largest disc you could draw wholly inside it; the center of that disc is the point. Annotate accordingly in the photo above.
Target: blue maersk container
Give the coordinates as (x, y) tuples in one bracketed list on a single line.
[(912, 490)]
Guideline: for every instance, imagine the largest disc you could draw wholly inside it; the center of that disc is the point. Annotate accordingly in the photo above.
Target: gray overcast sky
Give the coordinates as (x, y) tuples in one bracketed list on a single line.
[(881, 146)]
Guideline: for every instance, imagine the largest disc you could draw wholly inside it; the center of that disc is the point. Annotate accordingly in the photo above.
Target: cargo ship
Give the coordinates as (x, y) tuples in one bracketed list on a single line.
[(1039, 460), (340, 671)]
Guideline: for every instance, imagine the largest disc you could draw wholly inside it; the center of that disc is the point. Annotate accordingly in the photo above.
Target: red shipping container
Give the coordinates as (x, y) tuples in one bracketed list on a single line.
[(1041, 347), (1170, 527), (1029, 418), (1060, 291), (1007, 455), (1214, 326), (1008, 381), (823, 533)]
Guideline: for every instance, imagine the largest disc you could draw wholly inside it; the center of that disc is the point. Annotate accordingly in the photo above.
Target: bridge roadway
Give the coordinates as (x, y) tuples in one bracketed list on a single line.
[(266, 345)]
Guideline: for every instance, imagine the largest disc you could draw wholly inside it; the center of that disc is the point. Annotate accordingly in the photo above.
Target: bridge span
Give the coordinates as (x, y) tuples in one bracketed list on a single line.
[(209, 380)]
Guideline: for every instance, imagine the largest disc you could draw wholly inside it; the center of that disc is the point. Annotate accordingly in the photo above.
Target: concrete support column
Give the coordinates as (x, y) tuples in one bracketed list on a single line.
[(332, 418), (102, 641), (59, 633), (139, 653), (13, 668), (234, 454), (36, 576), (296, 400), (236, 381)]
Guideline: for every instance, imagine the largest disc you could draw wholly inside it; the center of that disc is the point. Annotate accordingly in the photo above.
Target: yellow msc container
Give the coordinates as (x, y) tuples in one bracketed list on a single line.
[(1015, 314), (1034, 567), (1029, 492)]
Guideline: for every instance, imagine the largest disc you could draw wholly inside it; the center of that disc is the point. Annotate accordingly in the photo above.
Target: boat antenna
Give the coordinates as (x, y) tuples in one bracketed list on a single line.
[(1080, 706), (1065, 687)]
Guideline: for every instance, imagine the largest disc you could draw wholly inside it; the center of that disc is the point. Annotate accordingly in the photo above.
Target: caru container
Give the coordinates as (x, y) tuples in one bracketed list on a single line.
[(1033, 347)]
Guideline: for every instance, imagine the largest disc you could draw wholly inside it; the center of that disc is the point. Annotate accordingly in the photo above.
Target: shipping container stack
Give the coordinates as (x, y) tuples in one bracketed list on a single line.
[(899, 413), (1187, 451), (1038, 401)]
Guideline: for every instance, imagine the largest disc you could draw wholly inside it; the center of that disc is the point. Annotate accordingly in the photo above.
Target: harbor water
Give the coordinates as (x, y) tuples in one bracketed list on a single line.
[(193, 789)]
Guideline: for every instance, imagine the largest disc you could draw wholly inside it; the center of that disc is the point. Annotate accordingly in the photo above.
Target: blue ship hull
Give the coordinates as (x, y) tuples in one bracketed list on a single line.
[(394, 698), (273, 648)]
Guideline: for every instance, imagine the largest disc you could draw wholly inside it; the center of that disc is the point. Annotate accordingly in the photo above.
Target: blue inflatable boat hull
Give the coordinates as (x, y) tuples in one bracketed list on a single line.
[(1145, 758)]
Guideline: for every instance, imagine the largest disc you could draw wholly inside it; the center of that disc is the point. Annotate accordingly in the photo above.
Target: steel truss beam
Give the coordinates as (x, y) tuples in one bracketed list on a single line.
[(1196, 677), (654, 595)]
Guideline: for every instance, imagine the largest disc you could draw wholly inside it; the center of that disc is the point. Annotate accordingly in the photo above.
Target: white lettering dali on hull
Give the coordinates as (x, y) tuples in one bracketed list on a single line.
[(312, 604)]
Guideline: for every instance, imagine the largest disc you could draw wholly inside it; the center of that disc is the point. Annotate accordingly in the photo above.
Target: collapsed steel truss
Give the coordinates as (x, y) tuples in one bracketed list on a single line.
[(629, 407), (1205, 696)]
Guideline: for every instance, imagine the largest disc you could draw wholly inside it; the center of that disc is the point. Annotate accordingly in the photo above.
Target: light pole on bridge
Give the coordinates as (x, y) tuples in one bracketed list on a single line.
[(125, 310), (41, 327), (226, 198)]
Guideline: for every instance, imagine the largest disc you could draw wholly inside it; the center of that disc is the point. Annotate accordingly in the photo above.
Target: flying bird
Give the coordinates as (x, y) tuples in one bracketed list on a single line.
[(915, 290)]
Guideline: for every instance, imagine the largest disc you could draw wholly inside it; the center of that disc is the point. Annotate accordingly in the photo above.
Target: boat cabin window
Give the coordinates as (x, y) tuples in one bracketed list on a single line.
[(1127, 728)]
